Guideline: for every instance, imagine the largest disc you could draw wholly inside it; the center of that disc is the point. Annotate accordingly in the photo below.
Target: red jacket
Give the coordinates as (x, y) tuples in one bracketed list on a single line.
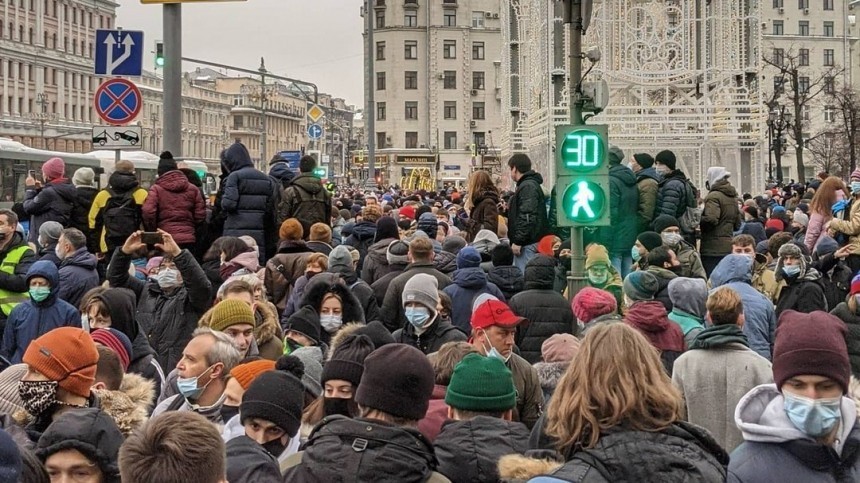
[(175, 206)]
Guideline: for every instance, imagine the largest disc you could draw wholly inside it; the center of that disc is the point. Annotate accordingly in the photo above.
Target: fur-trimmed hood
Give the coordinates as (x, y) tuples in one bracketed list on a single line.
[(340, 335), (267, 325), (514, 468), (549, 373), (130, 405), (323, 283)]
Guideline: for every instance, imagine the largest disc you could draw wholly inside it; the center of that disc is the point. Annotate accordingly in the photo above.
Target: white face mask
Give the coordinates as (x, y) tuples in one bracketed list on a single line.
[(671, 239), (331, 322), (662, 169)]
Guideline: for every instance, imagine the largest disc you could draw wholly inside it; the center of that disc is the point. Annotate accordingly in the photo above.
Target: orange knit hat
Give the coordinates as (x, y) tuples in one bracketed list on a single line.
[(246, 373), (67, 355)]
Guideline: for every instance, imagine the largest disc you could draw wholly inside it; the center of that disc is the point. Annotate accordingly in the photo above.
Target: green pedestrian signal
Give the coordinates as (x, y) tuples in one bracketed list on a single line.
[(582, 175)]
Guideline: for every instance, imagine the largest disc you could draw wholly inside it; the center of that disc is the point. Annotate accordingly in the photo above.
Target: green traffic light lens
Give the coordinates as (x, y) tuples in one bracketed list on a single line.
[(583, 201), (582, 151), (159, 61)]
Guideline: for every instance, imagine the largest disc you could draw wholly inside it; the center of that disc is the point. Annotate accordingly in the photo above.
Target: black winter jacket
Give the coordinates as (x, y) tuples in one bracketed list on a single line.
[(324, 283), (755, 229), (380, 287), (469, 451), (546, 310), (852, 338), (364, 294), (672, 195), (720, 218), (248, 462), (623, 210), (375, 262), (306, 200), (54, 202), (527, 217), (80, 218), (508, 278), (431, 341), (802, 293), (167, 319), (362, 239), (445, 262)]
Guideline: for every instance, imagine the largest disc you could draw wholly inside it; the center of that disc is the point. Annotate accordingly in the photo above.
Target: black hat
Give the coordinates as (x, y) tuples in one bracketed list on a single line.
[(347, 360), (650, 240), (665, 221), (166, 163), (277, 396), (377, 333), (667, 158), (90, 431), (644, 160), (398, 379), (306, 322)]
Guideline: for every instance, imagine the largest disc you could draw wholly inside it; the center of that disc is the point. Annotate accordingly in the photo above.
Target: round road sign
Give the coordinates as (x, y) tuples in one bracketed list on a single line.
[(118, 101)]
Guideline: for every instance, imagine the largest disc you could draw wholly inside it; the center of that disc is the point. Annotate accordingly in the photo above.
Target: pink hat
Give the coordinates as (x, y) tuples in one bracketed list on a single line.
[(559, 348), (54, 168), (590, 303), (153, 262), (855, 174)]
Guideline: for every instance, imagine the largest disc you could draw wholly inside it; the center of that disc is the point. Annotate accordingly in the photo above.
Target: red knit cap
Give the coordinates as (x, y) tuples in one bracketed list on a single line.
[(246, 373), (810, 344), (67, 355), (855, 285), (408, 211), (54, 168), (590, 303), (775, 223)]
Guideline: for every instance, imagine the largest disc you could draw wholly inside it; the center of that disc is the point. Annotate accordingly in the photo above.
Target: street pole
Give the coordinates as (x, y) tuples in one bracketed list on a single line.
[(573, 9), (770, 151), (264, 138), (369, 111), (172, 100)]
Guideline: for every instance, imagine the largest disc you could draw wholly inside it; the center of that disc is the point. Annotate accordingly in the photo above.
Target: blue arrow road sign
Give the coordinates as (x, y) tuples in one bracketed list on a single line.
[(315, 131), (119, 52)]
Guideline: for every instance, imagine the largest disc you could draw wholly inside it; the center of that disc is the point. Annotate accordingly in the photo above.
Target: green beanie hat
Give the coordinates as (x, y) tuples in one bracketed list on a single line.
[(231, 312), (482, 384)]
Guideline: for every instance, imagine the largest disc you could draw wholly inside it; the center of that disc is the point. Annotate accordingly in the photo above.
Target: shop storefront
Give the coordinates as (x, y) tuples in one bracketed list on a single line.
[(416, 172)]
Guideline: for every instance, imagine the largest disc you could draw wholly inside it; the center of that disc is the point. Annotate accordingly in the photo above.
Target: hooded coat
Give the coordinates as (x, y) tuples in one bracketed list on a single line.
[(773, 446), (527, 217), (508, 278), (735, 272), (324, 283), (54, 202), (688, 306), (375, 261), (623, 206), (175, 206), (282, 173), (362, 239), (364, 294), (90, 432), (646, 181), (546, 310), (469, 451), (119, 183), (720, 218), (81, 212), (439, 333), (484, 214), (672, 195), (250, 201), (30, 320), (468, 284), (248, 462), (663, 276), (167, 319), (649, 317), (77, 275), (306, 200), (284, 269), (803, 292), (130, 405)]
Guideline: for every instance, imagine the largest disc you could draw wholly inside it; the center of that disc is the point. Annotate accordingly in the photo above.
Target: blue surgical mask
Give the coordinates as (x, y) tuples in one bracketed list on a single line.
[(188, 386), (855, 187), (791, 270), (417, 316), (492, 352), (39, 294), (814, 417), (634, 253)]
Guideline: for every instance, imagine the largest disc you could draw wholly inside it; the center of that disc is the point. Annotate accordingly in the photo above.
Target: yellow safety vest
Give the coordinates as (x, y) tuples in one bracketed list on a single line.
[(9, 299)]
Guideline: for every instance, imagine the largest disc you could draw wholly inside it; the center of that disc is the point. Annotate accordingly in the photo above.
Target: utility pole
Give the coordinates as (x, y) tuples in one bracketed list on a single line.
[(172, 100), (574, 20), (369, 111), (264, 138)]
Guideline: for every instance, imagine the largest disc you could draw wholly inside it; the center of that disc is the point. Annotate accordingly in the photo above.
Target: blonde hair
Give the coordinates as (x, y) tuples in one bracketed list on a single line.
[(724, 306), (615, 379), (479, 182)]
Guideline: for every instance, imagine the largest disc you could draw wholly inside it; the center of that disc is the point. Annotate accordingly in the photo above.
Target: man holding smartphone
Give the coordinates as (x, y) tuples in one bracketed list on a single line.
[(52, 201)]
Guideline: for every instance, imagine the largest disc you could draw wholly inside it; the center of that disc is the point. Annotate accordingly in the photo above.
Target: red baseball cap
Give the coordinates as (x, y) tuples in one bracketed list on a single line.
[(494, 312)]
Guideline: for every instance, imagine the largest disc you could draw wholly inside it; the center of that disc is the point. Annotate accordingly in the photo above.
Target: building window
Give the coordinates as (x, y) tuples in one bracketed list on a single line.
[(410, 80), (477, 51), (477, 20), (380, 19), (450, 109), (778, 57), (450, 140), (449, 18), (478, 138), (828, 4), (803, 28), (381, 140), (829, 85), (777, 27), (828, 57), (803, 57), (412, 110), (801, 4), (777, 3), (411, 140), (802, 84), (450, 81), (410, 49), (478, 111), (380, 111), (829, 114), (828, 29), (380, 51), (449, 49), (410, 19), (380, 81), (478, 80)]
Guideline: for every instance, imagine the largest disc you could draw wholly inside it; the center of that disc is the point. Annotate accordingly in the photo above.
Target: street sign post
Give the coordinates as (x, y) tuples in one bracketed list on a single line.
[(315, 131), (117, 137), (118, 101), (315, 113), (119, 52)]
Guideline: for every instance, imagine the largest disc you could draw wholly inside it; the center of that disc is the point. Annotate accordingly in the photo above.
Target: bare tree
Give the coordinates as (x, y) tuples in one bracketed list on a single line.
[(846, 103), (830, 152)]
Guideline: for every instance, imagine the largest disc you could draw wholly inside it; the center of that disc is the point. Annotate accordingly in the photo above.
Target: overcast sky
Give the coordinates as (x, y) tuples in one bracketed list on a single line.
[(314, 40)]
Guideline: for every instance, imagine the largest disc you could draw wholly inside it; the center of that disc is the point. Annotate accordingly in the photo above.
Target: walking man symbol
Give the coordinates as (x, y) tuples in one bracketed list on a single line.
[(582, 199)]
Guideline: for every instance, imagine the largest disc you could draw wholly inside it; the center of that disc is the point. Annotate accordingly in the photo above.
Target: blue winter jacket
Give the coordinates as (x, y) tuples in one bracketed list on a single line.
[(735, 271), (77, 275), (30, 320), (468, 284)]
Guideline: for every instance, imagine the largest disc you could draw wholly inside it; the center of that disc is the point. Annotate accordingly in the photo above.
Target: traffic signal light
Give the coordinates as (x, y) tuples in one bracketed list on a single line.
[(582, 175), (159, 54)]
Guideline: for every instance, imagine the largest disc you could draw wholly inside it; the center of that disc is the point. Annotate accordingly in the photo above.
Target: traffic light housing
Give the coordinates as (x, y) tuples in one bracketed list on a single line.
[(159, 54), (582, 175)]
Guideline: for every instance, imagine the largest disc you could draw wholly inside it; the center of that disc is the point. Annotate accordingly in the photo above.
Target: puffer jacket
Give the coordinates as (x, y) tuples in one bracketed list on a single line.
[(527, 217), (649, 317), (167, 320), (546, 310), (54, 202), (803, 292), (850, 227), (469, 451), (376, 261), (672, 195), (250, 201), (283, 270), (720, 219), (735, 272), (468, 284), (755, 229), (852, 338), (88, 427), (77, 275), (646, 180), (248, 462), (361, 239), (445, 262), (623, 206), (484, 214), (30, 320), (282, 173), (175, 206), (81, 213), (508, 278), (432, 339), (306, 200)]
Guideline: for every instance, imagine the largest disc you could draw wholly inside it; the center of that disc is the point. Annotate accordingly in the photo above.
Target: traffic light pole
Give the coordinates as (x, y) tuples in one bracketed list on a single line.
[(172, 99), (576, 280)]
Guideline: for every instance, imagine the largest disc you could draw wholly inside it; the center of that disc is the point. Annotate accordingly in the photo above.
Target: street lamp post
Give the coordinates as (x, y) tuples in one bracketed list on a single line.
[(779, 121), (43, 117)]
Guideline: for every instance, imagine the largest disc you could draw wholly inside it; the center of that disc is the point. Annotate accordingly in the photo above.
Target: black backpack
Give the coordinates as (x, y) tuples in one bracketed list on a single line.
[(122, 216)]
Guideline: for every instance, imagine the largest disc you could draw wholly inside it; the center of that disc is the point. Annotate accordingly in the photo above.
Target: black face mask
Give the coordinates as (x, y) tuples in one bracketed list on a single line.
[(292, 346), (227, 412), (676, 269), (275, 447), (339, 406)]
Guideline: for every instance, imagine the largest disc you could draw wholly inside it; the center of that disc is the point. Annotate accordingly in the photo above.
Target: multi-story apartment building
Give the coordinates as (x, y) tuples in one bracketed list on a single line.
[(436, 85), (46, 70)]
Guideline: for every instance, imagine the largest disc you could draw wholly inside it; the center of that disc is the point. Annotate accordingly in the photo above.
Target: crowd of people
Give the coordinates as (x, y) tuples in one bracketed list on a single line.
[(291, 331)]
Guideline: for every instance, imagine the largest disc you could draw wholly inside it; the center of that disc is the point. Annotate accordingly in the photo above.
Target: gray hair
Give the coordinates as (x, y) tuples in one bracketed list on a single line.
[(75, 237), (223, 350)]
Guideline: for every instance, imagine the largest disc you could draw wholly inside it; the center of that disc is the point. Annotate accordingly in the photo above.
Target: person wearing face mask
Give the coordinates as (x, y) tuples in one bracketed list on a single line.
[(601, 273), (15, 259), (663, 264), (302, 330), (204, 368), (650, 317), (674, 192), (670, 232), (49, 235), (41, 313), (425, 329), (170, 302), (849, 225), (720, 218), (645, 242), (804, 426), (240, 380), (494, 327), (803, 290), (334, 302), (315, 264)]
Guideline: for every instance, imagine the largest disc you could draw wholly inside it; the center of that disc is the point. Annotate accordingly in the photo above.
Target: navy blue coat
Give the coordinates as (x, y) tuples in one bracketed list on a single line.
[(77, 275), (54, 202), (30, 320), (468, 284)]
